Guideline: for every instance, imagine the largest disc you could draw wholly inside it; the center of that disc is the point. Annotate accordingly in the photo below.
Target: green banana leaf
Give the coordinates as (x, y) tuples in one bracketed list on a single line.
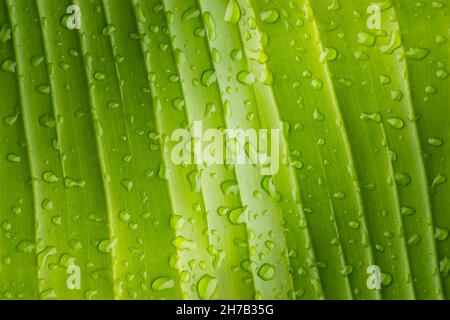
[(93, 204)]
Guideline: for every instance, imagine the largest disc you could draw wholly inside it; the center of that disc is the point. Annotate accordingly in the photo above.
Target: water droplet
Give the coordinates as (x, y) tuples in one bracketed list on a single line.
[(127, 184), (417, 53), (5, 33), (108, 30), (190, 13), (6, 225), (99, 76), (206, 287), (361, 55), (318, 116), (444, 266), (438, 4), (297, 164), (346, 271), (396, 95), (14, 158), (229, 187), (431, 90), (385, 80), (266, 272), (47, 204), (438, 180), (238, 215), (48, 294), (208, 77), (216, 56), (75, 244), (162, 283), (328, 54), (441, 234), (266, 77), (407, 211), (233, 12), (11, 120), (113, 105), (366, 39), (124, 216), (185, 276), (47, 120), (56, 220), (317, 84), (194, 180), (414, 239), (354, 224), (73, 52), (269, 245), (246, 77), (70, 183), (374, 117), (43, 89), (210, 25), (386, 279), (395, 42), (268, 185), (9, 66), (50, 177), (37, 60), (258, 55), (396, 123), (183, 244), (25, 246), (178, 103), (339, 195), (402, 179), (177, 222), (307, 74), (107, 245), (442, 74), (270, 16), (236, 54), (435, 142)]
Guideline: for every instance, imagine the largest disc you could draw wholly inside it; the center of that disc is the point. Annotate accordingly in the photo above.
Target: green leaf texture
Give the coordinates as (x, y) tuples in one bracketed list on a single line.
[(88, 184)]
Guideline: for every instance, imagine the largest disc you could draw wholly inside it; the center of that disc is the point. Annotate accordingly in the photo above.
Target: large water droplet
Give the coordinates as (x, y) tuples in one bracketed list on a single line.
[(246, 77), (233, 12), (270, 16), (206, 287), (266, 272)]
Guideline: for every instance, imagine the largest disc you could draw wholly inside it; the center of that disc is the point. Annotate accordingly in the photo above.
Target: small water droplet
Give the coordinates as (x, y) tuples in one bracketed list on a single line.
[(108, 30), (26, 246), (50, 177), (99, 76), (417, 53), (162, 283), (14, 158), (270, 16), (9, 65), (396, 123)]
